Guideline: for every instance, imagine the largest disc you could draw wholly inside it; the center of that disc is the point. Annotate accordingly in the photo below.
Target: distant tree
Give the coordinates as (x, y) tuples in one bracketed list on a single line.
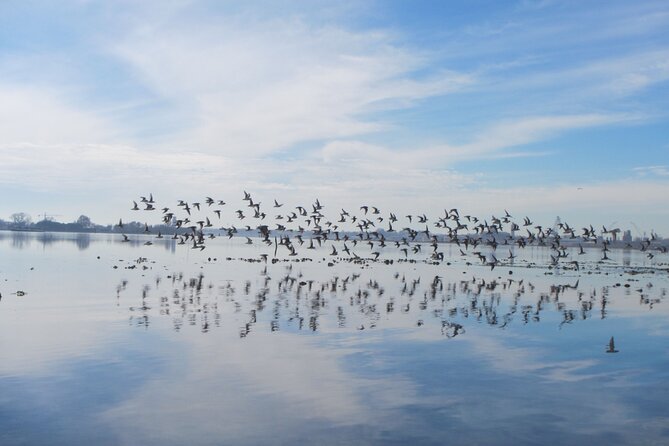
[(20, 219), (84, 221)]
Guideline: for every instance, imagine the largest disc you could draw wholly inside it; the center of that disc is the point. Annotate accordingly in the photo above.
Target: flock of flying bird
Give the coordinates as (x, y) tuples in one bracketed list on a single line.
[(293, 228)]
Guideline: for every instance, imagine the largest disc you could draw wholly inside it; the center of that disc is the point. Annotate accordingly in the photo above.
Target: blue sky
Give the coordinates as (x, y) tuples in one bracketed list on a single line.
[(544, 108)]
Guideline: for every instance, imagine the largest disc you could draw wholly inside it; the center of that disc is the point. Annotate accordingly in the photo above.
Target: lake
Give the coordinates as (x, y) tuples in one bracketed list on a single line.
[(108, 342)]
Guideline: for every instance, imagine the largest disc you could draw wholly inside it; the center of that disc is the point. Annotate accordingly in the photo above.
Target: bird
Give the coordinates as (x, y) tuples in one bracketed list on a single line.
[(611, 347)]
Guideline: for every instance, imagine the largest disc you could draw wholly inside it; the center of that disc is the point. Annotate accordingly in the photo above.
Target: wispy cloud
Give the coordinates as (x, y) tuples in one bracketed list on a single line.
[(660, 171), (259, 88), (494, 142), (618, 75), (39, 115), (523, 131), (343, 178), (188, 97)]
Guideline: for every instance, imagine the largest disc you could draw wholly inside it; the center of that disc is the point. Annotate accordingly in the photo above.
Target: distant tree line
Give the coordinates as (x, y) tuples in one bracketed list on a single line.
[(22, 221)]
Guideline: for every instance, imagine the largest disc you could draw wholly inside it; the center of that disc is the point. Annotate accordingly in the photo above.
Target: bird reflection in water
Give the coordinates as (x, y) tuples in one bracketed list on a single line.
[(287, 300)]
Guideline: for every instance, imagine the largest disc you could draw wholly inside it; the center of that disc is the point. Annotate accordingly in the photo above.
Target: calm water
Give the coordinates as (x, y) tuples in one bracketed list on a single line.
[(103, 342)]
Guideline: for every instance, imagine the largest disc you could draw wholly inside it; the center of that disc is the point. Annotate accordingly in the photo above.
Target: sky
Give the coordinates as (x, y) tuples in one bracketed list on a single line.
[(543, 108)]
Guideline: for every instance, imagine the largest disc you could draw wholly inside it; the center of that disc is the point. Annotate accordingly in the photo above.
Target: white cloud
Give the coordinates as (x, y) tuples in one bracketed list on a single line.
[(660, 171), (527, 130), (42, 115), (492, 143), (261, 87), (64, 163), (580, 84), (287, 105), (346, 174), (628, 74)]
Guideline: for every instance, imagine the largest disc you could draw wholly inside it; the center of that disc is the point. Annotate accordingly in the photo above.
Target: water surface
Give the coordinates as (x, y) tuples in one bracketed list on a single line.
[(105, 342)]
